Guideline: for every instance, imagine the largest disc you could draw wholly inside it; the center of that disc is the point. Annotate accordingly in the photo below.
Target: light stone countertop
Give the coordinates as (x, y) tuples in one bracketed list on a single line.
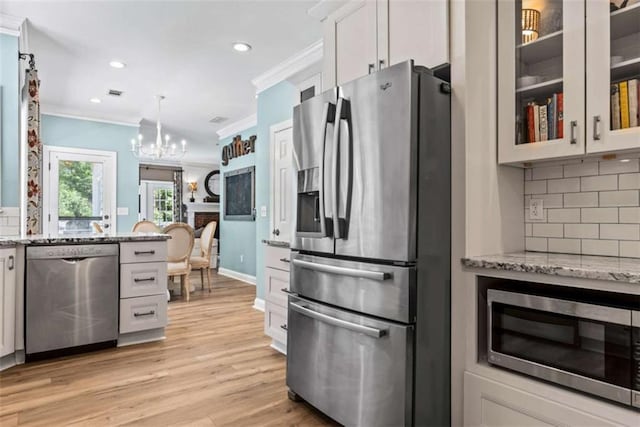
[(62, 239), (580, 266)]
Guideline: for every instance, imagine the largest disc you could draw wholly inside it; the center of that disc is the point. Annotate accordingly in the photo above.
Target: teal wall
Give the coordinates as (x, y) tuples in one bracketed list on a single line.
[(9, 80), (275, 105), (238, 237), (77, 133)]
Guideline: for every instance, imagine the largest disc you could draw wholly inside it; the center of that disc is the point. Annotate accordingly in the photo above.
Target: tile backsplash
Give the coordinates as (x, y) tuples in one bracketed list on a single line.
[(590, 208), (9, 221)]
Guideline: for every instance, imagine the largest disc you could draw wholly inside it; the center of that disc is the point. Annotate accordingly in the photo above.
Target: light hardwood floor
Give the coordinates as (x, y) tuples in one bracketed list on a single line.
[(215, 368)]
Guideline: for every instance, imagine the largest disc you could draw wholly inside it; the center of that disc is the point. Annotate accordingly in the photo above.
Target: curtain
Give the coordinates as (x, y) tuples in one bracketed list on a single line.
[(178, 213), (31, 117)]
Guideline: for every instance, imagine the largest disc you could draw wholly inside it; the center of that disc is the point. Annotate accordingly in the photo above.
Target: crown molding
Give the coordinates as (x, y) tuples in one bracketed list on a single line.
[(10, 25), (234, 128), (91, 119), (289, 67), (325, 8)]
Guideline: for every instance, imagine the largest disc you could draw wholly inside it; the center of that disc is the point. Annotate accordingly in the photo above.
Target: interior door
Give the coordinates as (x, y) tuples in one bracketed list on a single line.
[(281, 146), (79, 191)]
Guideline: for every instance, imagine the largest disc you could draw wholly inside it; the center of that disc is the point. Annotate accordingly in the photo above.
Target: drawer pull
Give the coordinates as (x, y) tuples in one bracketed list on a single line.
[(287, 291), (147, 279), (148, 313), (11, 263), (151, 252), (284, 260), (283, 327)]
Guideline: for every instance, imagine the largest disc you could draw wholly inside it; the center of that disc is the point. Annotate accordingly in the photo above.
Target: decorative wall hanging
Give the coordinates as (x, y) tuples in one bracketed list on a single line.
[(212, 185), (238, 148)]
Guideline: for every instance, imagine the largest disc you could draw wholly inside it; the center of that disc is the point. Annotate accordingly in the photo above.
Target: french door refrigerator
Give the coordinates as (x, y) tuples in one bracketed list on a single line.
[(369, 316)]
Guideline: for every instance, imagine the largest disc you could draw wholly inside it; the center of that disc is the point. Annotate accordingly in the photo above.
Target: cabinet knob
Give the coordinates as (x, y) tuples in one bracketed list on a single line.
[(380, 64), (372, 68), (11, 263), (596, 128), (276, 232)]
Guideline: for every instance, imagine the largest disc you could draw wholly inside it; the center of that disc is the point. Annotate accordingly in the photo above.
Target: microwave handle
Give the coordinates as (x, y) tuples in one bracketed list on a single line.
[(581, 310)]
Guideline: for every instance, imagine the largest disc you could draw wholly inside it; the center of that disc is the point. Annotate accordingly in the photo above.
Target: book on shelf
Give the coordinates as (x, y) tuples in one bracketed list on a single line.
[(541, 122), (625, 102), (536, 122), (531, 136), (560, 115), (551, 116)]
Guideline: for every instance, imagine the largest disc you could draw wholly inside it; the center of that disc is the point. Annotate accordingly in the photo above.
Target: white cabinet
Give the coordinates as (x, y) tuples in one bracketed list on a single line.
[(7, 301), (276, 283), (559, 61), (143, 291), (282, 193), (490, 403), (366, 35)]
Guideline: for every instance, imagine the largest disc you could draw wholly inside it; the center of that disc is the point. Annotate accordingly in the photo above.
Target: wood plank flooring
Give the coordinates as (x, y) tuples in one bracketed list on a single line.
[(215, 368)]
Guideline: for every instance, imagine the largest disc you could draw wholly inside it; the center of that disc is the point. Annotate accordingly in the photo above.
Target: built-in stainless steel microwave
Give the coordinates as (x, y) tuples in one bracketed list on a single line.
[(582, 345)]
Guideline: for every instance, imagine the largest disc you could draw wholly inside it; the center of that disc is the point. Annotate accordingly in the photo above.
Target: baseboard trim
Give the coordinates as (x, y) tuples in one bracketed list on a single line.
[(258, 304), (238, 276)]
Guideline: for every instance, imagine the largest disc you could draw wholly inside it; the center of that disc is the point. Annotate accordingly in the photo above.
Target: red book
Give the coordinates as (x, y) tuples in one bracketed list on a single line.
[(560, 133), (531, 133)]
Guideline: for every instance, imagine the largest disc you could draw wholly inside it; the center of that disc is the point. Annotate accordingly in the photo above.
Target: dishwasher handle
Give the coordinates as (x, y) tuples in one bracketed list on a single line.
[(73, 260)]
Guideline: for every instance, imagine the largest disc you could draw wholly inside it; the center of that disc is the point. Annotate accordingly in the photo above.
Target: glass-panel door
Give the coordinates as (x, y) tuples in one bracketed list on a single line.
[(540, 79), (613, 75), (79, 192)]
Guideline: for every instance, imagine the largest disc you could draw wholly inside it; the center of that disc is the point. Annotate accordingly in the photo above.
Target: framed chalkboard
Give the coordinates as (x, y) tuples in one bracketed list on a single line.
[(239, 194)]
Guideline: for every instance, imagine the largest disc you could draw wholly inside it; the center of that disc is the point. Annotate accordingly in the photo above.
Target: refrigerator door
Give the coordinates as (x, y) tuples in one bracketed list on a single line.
[(356, 369), (375, 165), (313, 123)]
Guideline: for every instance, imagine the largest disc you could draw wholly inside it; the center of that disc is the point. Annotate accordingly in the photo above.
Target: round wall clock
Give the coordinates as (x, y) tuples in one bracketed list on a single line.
[(212, 185)]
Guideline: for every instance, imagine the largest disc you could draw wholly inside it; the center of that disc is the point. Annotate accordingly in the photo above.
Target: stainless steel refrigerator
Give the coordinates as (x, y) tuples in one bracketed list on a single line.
[(369, 315)]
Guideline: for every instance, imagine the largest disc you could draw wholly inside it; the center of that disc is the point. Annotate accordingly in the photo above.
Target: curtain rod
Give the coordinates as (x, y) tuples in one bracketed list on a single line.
[(32, 59)]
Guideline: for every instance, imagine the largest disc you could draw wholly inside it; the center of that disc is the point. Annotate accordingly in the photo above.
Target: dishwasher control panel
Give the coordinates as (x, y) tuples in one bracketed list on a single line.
[(71, 251)]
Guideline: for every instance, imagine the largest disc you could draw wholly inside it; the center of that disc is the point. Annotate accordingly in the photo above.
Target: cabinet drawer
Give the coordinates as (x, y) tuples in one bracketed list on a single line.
[(142, 313), (143, 252), (276, 280), (142, 279), (275, 257), (275, 318)]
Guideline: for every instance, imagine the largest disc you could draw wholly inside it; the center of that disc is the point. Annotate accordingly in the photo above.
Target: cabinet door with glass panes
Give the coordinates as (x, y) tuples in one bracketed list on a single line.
[(541, 68), (613, 75)]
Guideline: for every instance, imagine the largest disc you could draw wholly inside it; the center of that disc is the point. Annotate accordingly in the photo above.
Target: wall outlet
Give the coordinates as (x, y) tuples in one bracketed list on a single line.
[(263, 211), (536, 209), (241, 258), (123, 211)]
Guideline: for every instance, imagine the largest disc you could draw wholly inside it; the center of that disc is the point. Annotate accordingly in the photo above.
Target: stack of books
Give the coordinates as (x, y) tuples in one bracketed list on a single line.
[(543, 122), (625, 97)]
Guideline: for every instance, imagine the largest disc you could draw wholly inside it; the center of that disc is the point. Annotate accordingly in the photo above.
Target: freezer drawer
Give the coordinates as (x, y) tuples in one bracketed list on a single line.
[(356, 369), (385, 291)]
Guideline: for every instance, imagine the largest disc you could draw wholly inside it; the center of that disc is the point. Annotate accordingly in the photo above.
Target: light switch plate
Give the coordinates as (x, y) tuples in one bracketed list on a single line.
[(263, 211), (536, 209), (123, 211)]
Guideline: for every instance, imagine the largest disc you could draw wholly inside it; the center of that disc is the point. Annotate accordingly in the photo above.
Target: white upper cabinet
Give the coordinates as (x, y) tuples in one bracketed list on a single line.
[(588, 54), (367, 35), (541, 97), (613, 70)]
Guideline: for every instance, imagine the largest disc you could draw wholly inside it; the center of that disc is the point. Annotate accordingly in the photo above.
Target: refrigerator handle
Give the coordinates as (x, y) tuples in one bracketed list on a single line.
[(343, 112), (328, 116)]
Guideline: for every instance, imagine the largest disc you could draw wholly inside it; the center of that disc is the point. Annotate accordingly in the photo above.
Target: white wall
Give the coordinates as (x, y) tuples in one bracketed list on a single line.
[(196, 172)]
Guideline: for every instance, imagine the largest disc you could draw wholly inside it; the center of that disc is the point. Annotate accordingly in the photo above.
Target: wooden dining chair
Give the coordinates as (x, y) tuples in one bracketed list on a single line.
[(146, 227), (179, 248), (203, 261)]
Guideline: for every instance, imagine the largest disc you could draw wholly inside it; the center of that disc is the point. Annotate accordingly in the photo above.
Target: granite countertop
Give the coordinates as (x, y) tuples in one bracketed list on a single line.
[(580, 266), (58, 239), (276, 243)]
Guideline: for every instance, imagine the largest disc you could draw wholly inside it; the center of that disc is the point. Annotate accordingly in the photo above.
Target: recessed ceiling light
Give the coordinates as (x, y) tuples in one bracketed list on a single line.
[(117, 64), (242, 47), (95, 100), (625, 160)]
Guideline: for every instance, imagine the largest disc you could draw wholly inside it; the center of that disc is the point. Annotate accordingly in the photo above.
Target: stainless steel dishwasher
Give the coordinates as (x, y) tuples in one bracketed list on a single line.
[(71, 299)]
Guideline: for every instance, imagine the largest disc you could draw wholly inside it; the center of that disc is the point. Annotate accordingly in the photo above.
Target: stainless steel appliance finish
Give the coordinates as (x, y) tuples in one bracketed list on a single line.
[(635, 355), (364, 377), (369, 283), (380, 290), (71, 296), (575, 313)]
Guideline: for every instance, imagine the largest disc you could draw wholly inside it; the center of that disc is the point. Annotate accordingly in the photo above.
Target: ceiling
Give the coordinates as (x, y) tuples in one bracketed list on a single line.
[(180, 49)]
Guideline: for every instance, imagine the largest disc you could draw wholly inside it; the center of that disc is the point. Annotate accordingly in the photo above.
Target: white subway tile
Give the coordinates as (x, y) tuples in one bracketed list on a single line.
[(581, 169), (13, 221), (599, 183), (599, 215), (600, 247), (528, 230), (527, 217), (548, 230), (6, 230), (547, 172), (619, 198), (526, 200), (528, 173), (620, 231), (630, 215), (567, 246), (616, 166), (565, 185), (535, 244), (548, 200), (4, 220), (9, 211), (563, 215), (535, 187), (582, 231), (630, 249), (581, 200), (629, 181)]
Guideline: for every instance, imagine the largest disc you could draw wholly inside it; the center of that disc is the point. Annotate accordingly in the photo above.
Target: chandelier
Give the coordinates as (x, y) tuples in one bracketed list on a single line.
[(162, 148)]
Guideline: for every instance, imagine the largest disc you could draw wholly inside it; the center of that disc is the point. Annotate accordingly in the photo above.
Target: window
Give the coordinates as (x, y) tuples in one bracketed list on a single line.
[(163, 204)]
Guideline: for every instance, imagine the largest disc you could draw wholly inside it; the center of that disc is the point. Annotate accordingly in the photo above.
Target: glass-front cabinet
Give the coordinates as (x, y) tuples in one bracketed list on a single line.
[(568, 75), (613, 75)]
